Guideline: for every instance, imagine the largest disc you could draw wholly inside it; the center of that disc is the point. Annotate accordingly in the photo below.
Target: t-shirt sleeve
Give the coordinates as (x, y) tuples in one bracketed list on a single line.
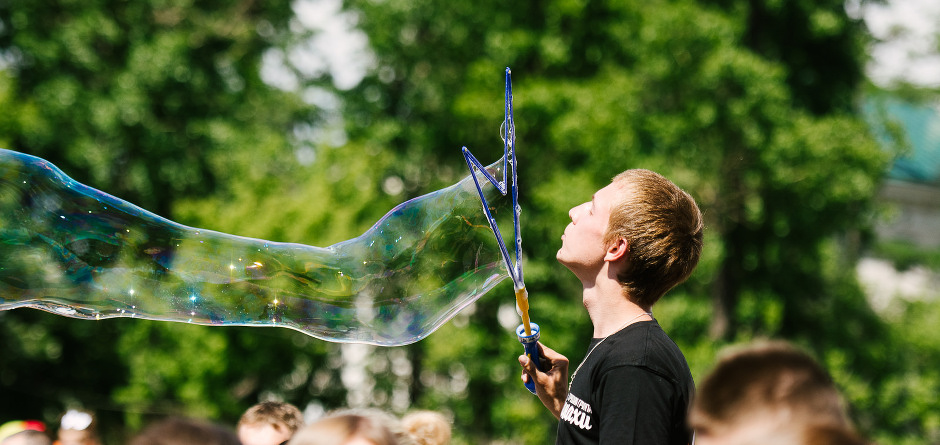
[(636, 406)]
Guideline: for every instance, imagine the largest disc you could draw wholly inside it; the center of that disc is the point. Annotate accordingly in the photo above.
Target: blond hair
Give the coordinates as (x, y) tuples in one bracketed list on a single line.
[(427, 427), (663, 228), (275, 414)]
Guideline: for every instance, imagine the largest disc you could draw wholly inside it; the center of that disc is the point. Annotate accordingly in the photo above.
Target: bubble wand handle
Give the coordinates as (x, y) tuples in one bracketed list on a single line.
[(530, 343)]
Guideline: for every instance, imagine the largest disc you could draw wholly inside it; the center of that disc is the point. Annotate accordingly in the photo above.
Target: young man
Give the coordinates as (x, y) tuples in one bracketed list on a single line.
[(770, 393), (636, 239)]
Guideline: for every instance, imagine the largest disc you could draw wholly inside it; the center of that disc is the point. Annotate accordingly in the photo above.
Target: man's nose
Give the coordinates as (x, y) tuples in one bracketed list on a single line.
[(574, 212)]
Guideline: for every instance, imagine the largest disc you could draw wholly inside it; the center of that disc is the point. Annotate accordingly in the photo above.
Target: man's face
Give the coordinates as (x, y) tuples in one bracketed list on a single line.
[(262, 434), (582, 245)]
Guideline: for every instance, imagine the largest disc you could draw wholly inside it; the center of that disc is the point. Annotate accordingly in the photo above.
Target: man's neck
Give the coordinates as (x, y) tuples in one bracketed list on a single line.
[(610, 310)]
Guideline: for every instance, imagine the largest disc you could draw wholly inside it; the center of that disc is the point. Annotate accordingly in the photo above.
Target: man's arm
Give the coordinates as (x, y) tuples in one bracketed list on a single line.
[(552, 385)]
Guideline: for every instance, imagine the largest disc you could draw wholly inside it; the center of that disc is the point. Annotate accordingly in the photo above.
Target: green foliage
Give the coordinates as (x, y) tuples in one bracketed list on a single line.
[(159, 375), (152, 101), (748, 106), (759, 124), (907, 407), (127, 95)]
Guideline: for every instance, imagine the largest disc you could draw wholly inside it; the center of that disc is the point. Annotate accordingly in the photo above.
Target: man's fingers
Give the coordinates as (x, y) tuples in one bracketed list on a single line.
[(550, 384), (550, 353), (528, 369), (551, 359), (527, 364), (546, 351)]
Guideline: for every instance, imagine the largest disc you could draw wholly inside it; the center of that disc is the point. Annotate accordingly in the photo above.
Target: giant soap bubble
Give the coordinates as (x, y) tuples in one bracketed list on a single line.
[(73, 250)]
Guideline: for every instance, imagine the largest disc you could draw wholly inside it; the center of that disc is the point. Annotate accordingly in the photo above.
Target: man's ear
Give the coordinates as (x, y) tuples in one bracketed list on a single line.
[(617, 250)]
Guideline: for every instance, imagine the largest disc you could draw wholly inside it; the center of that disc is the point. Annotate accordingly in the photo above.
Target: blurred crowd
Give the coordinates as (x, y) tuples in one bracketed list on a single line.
[(763, 393), (267, 423)]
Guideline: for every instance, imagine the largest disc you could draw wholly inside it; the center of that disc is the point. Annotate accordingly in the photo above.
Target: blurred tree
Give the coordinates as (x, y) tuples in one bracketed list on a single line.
[(818, 45), (759, 124), (819, 51), (147, 100), (161, 102), (154, 101)]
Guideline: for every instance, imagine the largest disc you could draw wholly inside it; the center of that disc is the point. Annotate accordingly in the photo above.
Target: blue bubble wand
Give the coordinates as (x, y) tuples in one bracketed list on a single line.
[(527, 332)]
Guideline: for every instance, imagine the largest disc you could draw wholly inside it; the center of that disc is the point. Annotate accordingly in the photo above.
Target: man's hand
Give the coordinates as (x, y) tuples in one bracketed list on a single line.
[(552, 385)]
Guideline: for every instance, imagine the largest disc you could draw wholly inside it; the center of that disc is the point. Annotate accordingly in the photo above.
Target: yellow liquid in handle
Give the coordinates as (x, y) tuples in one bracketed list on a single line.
[(522, 300)]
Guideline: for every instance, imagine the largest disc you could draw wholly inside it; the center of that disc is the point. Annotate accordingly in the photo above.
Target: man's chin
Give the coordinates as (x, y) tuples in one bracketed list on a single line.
[(560, 257)]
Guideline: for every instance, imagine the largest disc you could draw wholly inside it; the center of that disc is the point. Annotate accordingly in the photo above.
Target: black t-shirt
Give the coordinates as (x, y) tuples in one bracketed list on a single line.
[(634, 388)]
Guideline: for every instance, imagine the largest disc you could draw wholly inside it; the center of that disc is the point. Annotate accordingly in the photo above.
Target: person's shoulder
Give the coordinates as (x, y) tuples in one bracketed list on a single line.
[(629, 346), (660, 342), (646, 344)]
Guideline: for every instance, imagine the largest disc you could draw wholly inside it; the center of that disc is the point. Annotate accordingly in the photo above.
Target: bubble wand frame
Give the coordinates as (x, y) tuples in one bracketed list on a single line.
[(528, 333)]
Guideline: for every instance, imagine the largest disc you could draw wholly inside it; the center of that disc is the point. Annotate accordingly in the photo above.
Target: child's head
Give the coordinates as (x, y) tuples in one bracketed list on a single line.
[(769, 393), (269, 423), (427, 427)]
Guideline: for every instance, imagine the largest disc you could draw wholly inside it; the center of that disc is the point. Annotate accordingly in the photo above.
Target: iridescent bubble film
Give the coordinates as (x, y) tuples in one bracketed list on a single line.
[(73, 250)]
